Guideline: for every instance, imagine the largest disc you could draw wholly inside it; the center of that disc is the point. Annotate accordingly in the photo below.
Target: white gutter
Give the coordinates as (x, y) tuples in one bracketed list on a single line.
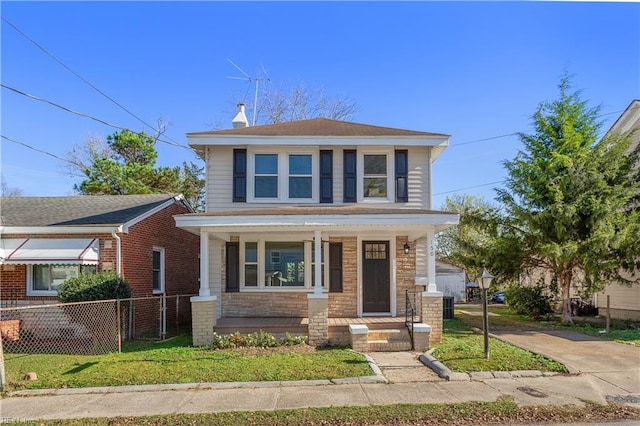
[(47, 230), (114, 234)]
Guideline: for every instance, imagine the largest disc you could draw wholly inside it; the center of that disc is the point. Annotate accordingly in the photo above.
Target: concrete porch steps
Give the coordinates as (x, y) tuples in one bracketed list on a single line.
[(389, 340)]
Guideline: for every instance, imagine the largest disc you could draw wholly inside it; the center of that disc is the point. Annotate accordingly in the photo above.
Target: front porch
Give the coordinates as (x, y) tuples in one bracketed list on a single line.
[(384, 333)]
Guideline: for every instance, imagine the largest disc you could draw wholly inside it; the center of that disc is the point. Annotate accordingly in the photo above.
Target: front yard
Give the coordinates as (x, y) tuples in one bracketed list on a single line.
[(176, 361)]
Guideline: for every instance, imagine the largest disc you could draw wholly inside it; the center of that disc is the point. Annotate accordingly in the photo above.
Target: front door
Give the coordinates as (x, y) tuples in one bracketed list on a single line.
[(376, 296)]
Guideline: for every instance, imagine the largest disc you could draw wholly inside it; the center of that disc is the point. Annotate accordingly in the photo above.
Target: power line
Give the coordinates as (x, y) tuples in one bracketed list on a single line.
[(81, 166), (470, 187), (66, 160), (81, 114), (483, 140), (80, 77)]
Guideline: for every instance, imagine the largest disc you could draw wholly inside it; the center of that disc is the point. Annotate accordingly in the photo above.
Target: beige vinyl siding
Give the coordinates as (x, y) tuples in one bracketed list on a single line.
[(622, 297), (418, 179), (220, 180)]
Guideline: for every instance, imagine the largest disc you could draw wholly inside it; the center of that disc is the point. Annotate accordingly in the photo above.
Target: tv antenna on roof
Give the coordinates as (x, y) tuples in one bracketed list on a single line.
[(250, 80)]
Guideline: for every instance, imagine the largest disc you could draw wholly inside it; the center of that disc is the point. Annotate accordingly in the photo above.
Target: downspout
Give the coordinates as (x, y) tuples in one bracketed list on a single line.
[(118, 252)]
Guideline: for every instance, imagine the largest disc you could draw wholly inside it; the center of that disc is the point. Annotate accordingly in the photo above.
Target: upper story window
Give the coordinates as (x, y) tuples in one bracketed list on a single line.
[(300, 176), (375, 176), (283, 177), (266, 176)]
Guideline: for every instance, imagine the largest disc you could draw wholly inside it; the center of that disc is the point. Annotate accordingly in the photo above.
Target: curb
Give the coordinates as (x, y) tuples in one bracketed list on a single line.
[(445, 373)]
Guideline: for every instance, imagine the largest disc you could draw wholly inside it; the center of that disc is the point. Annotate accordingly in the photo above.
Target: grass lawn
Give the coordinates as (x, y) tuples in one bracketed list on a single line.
[(503, 411), (462, 350), (627, 332), (176, 361)]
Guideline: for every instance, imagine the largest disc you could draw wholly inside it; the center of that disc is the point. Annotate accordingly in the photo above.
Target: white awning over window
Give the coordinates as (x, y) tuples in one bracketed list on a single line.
[(41, 251)]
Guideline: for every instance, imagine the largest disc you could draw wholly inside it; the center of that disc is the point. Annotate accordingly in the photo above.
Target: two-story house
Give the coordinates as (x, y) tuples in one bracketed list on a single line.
[(315, 219)]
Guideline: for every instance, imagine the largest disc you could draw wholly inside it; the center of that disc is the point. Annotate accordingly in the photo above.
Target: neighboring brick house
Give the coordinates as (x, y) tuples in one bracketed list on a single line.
[(46, 240), (317, 219)]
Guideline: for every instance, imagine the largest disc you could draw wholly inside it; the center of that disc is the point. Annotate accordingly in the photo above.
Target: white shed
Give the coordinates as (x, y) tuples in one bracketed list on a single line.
[(451, 281)]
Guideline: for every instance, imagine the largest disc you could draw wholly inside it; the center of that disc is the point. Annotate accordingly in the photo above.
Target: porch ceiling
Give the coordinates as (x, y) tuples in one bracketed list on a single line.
[(332, 221)]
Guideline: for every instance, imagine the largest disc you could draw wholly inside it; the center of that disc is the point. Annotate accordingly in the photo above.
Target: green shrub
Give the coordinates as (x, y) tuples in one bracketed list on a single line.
[(100, 286), (259, 339), (529, 301)]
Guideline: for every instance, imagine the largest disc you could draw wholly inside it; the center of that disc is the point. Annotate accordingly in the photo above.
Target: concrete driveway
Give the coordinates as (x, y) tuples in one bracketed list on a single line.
[(610, 361)]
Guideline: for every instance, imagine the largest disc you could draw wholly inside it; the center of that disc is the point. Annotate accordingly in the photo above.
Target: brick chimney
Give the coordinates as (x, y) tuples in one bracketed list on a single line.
[(240, 120)]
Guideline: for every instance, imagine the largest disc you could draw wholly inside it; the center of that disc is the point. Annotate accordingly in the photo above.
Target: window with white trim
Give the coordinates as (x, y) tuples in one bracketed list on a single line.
[(279, 265), (266, 176), (158, 269), (44, 280), (375, 176), (283, 177)]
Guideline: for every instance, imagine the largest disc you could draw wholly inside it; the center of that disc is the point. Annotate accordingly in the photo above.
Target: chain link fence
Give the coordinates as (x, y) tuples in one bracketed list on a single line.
[(92, 328)]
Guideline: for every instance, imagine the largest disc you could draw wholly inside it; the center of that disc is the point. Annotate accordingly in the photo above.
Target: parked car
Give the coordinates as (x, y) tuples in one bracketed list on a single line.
[(498, 297)]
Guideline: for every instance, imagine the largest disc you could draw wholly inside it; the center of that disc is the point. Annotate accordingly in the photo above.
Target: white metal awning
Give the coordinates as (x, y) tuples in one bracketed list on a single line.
[(40, 251)]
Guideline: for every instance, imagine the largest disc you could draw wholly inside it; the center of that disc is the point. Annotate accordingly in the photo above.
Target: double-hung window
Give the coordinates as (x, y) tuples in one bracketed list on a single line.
[(266, 176), (375, 178), (157, 269), (283, 177), (300, 176)]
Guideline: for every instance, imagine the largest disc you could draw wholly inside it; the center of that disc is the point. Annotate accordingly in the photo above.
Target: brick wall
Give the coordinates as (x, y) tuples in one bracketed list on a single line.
[(13, 279), (181, 254), (263, 304), (405, 273), (344, 305)]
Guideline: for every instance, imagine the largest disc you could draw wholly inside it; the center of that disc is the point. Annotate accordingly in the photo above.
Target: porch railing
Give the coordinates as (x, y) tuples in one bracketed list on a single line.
[(411, 313)]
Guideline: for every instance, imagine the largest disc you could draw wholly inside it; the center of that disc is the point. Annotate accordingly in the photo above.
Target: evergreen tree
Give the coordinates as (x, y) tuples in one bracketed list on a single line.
[(571, 198)]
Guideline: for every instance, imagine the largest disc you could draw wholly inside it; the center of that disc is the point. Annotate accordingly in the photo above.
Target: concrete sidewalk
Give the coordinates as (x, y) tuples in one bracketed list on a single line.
[(609, 372), (219, 397)]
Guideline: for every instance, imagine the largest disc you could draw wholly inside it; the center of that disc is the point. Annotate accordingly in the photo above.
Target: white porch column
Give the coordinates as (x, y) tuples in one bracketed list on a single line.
[(317, 241), (205, 291), (431, 261)]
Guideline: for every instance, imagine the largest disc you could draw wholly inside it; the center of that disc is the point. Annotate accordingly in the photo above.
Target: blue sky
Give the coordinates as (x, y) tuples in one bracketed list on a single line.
[(474, 70)]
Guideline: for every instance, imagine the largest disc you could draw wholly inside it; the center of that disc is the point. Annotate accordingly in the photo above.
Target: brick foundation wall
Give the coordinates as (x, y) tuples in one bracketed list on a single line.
[(432, 315), (264, 304)]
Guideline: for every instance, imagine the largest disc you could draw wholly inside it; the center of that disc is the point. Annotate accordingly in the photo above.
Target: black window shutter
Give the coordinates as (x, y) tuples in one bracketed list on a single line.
[(326, 176), (402, 172), (239, 175), (335, 267), (233, 267), (350, 176)]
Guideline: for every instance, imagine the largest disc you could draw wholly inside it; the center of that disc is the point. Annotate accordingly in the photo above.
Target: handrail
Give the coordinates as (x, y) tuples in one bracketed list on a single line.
[(409, 315)]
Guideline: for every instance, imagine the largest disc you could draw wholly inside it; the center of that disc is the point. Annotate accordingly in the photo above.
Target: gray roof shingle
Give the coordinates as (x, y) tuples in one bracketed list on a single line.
[(77, 210), (318, 127)]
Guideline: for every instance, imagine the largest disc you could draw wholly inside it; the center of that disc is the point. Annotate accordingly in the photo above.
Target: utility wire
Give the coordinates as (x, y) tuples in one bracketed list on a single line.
[(81, 114), (470, 187), (80, 166), (80, 77)]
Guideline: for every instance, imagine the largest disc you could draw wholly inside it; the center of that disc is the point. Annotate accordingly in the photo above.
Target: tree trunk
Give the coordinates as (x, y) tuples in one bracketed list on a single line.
[(565, 280)]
